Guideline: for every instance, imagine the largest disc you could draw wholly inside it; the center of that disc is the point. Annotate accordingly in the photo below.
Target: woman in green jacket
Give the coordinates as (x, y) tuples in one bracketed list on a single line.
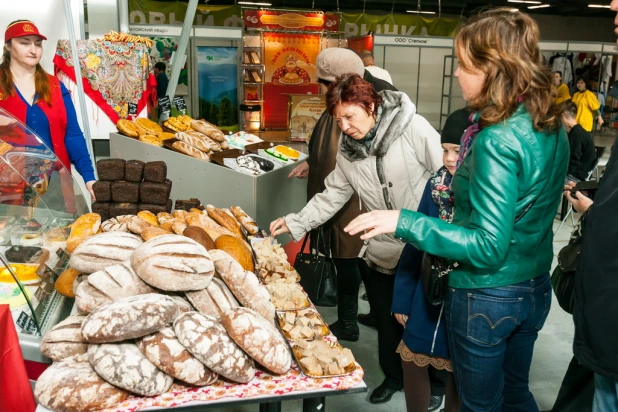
[(507, 190)]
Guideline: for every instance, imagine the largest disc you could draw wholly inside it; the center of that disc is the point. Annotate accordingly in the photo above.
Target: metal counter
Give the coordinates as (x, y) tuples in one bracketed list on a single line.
[(265, 197)]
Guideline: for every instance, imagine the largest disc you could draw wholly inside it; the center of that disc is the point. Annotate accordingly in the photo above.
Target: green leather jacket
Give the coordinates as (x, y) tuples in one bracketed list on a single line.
[(509, 167)]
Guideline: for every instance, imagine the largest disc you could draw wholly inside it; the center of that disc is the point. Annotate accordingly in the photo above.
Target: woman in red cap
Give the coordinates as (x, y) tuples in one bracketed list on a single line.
[(40, 100)]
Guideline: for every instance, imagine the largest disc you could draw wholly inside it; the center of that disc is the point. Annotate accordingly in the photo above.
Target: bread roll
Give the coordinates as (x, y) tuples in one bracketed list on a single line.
[(72, 385), (173, 263), (148, 217), (193, 140), (152, 232), (85, 226), (137, 225), (211, 227), (65, 339), (187, 149), (225, 220), (181, 214), (200, 236), (215, 300), (124, 366), (164, 217), (208, 341), (117, 224), (129, 318), (179, 227), (237, 249), (208, 129), (259, 338), (163, 349), (245, 220), (103, 250), (64, 283), (244, 285)]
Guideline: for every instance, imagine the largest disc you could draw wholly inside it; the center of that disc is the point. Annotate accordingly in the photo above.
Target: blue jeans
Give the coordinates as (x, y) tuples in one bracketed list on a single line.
[(605, 394), (491, 336)]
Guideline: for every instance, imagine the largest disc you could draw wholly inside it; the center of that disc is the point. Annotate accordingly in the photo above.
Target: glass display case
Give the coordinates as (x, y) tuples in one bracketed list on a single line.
[(39, 200)]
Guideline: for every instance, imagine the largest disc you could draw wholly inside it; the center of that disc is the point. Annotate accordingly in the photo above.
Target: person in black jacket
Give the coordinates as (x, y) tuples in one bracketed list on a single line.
[(583, 153)]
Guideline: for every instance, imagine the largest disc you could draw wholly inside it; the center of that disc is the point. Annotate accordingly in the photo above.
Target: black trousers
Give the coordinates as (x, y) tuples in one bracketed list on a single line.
[(577, 389), (348, 285)]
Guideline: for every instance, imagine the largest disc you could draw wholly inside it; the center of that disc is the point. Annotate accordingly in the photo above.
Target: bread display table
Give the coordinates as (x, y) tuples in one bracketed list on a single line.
[(265, 197)]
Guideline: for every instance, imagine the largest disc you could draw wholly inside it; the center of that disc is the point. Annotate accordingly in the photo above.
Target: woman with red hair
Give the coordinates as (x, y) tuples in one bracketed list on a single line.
[(387, 153)]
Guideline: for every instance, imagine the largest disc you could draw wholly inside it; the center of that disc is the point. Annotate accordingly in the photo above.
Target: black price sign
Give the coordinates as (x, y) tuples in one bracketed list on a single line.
[(180, 104), (26, 322), (132, 109), (165, 106)]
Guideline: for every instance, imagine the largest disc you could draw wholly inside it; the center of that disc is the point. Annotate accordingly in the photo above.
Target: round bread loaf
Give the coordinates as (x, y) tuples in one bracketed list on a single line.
[(163, 349), (200, 236), (103, 250), (215, 300), (237, 249), (259, 338), (116, 224), (72, 385), (129, 318), (173, 263), (65, 339), (124, 366), (208, 341)]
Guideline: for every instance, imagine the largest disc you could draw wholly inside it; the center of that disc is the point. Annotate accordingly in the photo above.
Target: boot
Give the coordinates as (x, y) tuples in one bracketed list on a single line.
[(346, 327)]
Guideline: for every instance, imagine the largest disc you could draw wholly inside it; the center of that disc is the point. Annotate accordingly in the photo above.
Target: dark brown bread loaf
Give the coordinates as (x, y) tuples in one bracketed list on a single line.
[(168, 207), (134, 171), (151, 208), (73, 386), (103, 250), (65, 339), (124, 366), (155, 172), (163, 349), (129, 318), (102, 190), (110, 169), (119, 209), (208, 341), (200, 236), (125, 192), (155, 193), (102, 209)]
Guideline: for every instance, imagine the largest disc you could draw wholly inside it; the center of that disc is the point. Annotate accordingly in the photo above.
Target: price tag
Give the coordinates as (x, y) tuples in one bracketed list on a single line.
[(132, 109), (180, 104), (26, 322), (165, 107)]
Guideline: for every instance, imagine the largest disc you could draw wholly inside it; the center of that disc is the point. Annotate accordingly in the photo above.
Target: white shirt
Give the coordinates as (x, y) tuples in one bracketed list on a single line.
[(380, 73)]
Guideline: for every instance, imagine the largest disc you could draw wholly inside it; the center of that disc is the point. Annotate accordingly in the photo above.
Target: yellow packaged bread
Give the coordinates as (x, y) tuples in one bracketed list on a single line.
[(64, 283), (148, 216), (237, 249), (85, 226)]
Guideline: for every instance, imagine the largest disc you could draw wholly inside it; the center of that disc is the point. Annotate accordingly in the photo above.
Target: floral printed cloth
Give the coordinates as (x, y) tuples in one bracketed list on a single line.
[(442, 193), (115, 73)]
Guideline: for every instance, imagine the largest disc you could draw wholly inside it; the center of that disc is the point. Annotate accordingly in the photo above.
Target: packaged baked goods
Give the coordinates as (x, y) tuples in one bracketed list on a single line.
[(127, 128), (64, 283), (245, 220), (259, 338), (117, 224), (102, 209), (306, 324), (102, 190), (225, 220), (65, 339), (215, 300), (147, 126), (125, 192), (200, 236), (84, 227), (208, 341), (237, 249), (129, 318), (288, 296), (72, 385), (173, 263), (124, 366), (119, 209), (103, 250), (243, 284), (189, 150), (134, 171), (155, 171), (321, 358), (148, 217), (108, 285), (155, 193), (163, 349), (110, 169)]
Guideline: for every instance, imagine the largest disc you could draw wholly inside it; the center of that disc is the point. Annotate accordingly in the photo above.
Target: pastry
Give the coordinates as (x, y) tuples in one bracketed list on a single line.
[(208, 129), (64, 283), (178, 227), (147, 126), (117, 224), (110, 169), (148, 217), (151, 139), (237, 249), (84, 227), (152, 232), (211, 144), (210, 226), (155, 171), (166, 136), (173, 263), (193, 140), (189, 150), (65, 339), (27, 254), (137, 225), (245, 220), (225, 220), (103, 250), (125, 192), (288, 152), (163, 217), (127, 128), (102, 190), (181, 214), (200, 236), (215, 300), (134, 171)]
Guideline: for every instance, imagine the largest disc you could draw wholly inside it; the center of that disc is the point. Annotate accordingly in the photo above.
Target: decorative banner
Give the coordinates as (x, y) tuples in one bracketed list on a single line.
[(217, 73), (305, 111), (290, 58), (359, 24), (269, 19)]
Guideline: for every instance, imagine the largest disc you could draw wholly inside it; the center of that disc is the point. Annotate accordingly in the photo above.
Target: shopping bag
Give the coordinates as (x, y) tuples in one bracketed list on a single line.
[(318, 275)]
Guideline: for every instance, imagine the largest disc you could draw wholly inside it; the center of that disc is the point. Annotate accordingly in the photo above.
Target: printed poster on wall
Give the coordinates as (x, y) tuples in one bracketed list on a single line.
[(290, 58), (305, 111), (218, 86)]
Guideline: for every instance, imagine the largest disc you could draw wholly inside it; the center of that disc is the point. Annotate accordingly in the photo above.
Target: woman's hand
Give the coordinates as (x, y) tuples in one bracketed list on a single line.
[(301, 171), (401, 319), (91, 190), (581, 203), (278, 227), (600, 120), (374, 223)]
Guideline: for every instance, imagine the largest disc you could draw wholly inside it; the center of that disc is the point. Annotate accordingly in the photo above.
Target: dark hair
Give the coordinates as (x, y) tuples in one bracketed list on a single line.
[(505, 46), (351, 88), (161, 66), (583, 79), (569, 109), (559, 72)]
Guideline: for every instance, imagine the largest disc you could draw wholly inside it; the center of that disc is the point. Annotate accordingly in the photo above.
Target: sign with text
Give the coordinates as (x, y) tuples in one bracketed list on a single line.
[(305, 111), (271, 19), (413, 41)]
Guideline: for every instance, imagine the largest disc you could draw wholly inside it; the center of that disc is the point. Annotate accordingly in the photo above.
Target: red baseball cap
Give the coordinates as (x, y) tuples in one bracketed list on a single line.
[(22, 28)]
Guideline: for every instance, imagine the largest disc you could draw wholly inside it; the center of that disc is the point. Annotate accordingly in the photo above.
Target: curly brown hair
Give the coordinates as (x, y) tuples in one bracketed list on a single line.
[(504, 45), (352, 88)]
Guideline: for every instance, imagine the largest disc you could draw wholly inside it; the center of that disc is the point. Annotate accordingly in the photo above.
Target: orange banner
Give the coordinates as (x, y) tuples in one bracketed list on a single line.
[(290, 58)]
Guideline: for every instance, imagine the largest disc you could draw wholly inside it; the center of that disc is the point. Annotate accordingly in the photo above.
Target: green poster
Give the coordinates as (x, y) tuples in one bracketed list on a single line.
[(358, 24), (162, 12)]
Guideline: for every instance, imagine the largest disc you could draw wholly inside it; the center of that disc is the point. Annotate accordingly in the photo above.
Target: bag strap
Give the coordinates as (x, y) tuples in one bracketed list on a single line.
[(383, 184), (323, 243)]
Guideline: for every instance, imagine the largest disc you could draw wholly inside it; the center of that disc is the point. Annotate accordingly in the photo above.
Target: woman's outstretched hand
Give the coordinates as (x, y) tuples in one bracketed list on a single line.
[(374, 223), (278, 227)]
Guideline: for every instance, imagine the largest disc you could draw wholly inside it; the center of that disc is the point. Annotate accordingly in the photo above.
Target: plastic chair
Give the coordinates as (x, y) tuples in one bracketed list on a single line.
[(600, 151)]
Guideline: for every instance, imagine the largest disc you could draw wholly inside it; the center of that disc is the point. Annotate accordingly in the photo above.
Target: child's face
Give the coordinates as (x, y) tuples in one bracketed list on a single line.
[(450, 156)]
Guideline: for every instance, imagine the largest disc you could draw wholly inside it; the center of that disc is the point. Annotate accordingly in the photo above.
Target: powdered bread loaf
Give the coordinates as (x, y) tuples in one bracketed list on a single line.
[(103, 250), (208, 341), (215, 300), (163, 349), (124, 366), (259, 338), (245, 220), (129, 318), (65, 339), (116, 224), (224, 219), (173, 263)]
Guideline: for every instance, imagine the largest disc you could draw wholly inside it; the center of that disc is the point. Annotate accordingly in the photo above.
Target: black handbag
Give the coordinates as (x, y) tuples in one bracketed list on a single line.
[(318, 274), (563, 276)]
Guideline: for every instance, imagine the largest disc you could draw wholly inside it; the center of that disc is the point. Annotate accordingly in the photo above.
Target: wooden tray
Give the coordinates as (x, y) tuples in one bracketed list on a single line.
[(217, 157), (324, 331), (333, 344), (254, 147), (305, 303)]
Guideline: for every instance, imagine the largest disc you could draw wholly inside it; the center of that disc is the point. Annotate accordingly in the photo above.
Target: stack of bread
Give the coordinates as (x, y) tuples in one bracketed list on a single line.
[(197, 138), (144, 130), (126, 187)]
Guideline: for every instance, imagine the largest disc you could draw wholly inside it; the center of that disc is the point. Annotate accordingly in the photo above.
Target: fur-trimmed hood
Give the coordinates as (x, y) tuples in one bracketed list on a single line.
[(397, 112)]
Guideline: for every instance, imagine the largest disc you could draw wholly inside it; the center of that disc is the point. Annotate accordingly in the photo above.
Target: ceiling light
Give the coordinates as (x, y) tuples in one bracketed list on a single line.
[(599, 6), (420, 12), (525, 1), (514, 10), (540, 6), (251, 3)]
